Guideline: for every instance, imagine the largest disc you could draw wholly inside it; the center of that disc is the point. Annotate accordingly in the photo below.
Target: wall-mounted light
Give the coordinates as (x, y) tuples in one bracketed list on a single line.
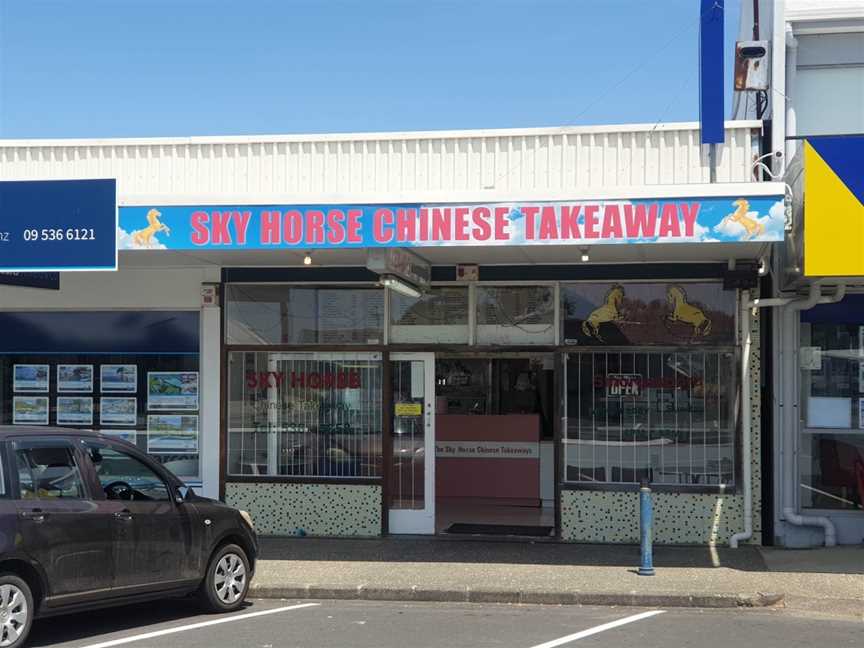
[(585, 257), (401, 287), (307, 260)]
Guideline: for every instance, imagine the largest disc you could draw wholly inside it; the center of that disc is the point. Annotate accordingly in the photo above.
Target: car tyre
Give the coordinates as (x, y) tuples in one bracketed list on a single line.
[(227, 581), (16, 610)]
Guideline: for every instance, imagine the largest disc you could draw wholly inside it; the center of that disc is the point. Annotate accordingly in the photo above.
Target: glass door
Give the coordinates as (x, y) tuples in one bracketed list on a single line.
[(412, 466)]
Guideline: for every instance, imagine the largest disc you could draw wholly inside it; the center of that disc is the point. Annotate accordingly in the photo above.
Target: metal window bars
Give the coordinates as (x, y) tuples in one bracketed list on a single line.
[(664, 415)]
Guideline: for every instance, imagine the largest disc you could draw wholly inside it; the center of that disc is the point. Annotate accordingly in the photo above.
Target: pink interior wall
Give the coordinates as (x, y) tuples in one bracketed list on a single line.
[(492, 478)]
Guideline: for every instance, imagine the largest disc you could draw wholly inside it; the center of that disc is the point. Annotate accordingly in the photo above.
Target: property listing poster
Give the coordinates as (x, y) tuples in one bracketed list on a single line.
[(172, 390), (74, 378), (115, 410), (30, 377), (30, 410), (172, 433), (74, 410), (122, 378)]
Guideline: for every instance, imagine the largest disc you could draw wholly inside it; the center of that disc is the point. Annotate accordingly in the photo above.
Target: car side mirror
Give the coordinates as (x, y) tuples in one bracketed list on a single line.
[(183, 493)]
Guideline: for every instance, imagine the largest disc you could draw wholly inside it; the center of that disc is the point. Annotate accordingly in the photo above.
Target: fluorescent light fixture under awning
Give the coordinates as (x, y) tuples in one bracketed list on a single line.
[(401, 287)]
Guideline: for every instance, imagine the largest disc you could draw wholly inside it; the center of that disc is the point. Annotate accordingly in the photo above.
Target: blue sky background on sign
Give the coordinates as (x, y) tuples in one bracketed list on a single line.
[(102, 68), (58, 225)]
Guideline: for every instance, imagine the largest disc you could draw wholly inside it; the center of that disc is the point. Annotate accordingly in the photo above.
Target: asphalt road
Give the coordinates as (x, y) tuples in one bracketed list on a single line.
[(365, 624)]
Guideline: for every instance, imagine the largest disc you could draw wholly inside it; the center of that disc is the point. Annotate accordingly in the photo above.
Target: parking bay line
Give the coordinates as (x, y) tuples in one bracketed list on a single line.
[(196, 626), (598, 629)]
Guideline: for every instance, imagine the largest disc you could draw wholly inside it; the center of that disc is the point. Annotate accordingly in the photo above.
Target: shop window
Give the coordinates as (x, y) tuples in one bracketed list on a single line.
[(493, 386), (639, 314), (305, 414), (832, 443), (130, 375), (439, 316), (665, 416), (278, 314), (515, 315)]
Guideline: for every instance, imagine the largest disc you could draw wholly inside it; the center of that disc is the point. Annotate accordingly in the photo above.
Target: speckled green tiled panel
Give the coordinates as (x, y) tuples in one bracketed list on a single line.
[(679, 518), (310, 509)]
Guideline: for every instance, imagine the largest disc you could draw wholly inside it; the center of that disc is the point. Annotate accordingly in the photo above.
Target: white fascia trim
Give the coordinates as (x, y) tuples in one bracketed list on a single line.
[(731, 189), (355, 137)]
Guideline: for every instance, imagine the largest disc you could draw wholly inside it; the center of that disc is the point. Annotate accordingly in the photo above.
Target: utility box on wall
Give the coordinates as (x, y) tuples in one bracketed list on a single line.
[(751, 65)]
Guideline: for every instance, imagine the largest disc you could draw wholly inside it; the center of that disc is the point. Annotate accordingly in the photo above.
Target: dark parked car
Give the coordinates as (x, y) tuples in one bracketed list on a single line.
[(87, 521)]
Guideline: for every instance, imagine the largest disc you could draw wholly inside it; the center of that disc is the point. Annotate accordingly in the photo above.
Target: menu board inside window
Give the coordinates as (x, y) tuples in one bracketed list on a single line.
[(149, 400), (515, 315), (437, 316), (279, 314), (350, 316)]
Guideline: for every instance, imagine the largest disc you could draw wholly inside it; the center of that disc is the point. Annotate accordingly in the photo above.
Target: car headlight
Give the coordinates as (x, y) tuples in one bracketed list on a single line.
[(248, 519)]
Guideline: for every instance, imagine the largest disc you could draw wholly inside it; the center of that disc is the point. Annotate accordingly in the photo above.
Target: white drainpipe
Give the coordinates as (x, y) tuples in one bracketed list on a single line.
[(789, 366), (791, 421)]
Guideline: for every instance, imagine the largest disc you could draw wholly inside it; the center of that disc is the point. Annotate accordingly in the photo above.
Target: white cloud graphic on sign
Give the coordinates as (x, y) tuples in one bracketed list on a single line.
[(126, 242)]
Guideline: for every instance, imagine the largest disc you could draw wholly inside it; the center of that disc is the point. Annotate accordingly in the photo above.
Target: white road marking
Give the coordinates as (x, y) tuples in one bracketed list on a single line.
[(598, 629), (195, 626)]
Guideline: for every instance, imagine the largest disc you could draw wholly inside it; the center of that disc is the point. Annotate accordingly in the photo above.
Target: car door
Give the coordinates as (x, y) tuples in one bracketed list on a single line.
[(60, 527), (152, 533)]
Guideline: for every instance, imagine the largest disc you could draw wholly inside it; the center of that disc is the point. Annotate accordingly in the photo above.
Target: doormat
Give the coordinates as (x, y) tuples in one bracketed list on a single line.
[(500, 529)]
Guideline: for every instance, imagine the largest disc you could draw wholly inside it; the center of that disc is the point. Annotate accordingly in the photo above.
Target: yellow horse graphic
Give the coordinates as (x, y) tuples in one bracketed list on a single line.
[(751, 226), (144, 237), (610, 311), (685, 312)]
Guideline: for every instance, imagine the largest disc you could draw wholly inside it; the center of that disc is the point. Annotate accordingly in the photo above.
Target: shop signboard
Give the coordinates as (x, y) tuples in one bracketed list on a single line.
[(834, 206), (753, 216), (52, 225)]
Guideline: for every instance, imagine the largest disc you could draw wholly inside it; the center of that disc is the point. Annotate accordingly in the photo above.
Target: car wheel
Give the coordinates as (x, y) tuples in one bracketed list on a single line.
[(16, 611), (227, 582)]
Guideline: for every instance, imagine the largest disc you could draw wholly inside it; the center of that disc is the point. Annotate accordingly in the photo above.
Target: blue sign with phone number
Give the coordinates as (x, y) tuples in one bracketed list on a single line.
[(50, 225)]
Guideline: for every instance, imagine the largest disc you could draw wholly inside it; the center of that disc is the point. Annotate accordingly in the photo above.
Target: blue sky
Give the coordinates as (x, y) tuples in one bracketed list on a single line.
[(113, 68)]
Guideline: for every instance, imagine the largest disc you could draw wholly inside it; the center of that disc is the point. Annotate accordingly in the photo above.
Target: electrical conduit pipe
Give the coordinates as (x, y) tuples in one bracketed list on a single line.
[(746, 416)]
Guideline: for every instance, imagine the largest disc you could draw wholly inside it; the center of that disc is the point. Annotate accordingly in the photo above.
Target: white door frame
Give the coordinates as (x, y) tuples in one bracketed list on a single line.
[(420, 521)]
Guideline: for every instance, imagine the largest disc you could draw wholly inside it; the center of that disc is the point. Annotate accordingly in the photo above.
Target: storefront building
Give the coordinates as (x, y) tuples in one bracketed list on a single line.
[(817, 276), (575, 320)]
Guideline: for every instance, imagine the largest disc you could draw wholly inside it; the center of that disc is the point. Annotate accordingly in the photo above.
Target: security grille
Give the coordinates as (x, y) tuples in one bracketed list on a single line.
[(663, 415), (305, 414)]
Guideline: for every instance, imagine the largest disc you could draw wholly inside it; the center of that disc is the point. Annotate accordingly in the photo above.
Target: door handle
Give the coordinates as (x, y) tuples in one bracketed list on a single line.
[(124, 515), (37, 515)]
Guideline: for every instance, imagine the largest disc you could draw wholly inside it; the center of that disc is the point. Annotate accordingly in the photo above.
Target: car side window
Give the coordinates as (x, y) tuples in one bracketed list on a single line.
[(125, 477), (48, 471)]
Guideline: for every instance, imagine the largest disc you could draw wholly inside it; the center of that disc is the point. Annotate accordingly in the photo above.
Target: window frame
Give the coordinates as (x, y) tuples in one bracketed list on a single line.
[(11, 448), (363, 286), (734, 415), (227, 477), (96, 484)]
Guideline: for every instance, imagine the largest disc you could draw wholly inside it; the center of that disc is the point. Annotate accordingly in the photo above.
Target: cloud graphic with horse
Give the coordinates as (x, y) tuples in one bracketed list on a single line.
[(696, 313)]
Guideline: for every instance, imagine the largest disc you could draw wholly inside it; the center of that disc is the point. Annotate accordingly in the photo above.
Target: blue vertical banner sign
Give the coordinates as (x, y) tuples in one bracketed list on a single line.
[(711, 103)]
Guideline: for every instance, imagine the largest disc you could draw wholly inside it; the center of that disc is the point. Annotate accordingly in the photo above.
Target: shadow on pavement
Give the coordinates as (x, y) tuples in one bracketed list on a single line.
[(139, 618), (522, 552)]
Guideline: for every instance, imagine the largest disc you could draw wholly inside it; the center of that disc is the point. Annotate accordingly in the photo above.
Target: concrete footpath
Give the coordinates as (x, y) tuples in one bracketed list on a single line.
[(829, 581)]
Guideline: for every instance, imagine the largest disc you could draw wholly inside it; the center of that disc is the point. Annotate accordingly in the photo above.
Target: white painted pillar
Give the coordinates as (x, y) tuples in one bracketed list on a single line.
[(210, 361)]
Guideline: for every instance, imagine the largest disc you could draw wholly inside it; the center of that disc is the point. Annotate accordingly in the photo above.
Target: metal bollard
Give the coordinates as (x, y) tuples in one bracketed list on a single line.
[(646, 525)]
